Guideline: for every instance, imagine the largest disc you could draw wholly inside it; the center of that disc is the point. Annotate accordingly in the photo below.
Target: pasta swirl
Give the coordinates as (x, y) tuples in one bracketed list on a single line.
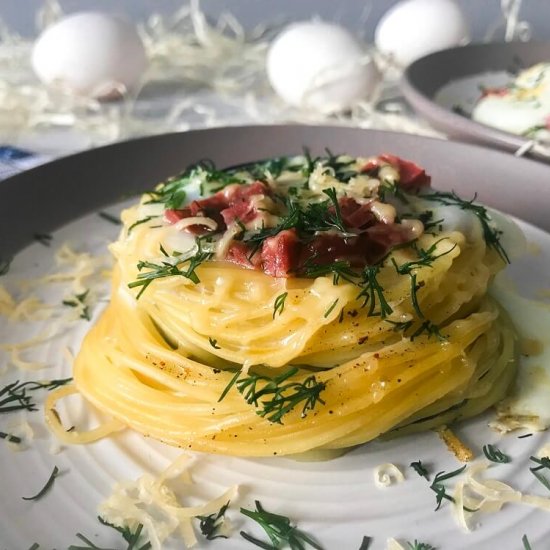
[(202, 351)]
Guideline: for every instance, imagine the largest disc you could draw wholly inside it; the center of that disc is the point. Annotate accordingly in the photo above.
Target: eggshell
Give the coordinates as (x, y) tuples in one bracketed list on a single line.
[(320, 66), (90, 53), (414, 28)]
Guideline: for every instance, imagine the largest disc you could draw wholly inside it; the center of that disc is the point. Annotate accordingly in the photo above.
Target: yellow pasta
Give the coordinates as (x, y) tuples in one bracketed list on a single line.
[(203, 351)]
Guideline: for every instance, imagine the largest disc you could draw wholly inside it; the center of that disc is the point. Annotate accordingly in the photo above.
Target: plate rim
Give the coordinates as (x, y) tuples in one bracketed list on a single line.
[(65, 166)]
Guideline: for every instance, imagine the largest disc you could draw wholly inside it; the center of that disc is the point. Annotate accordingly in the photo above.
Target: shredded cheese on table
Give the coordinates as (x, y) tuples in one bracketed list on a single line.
[(387, 474), (392, 544), (150, 502), (487, 496)]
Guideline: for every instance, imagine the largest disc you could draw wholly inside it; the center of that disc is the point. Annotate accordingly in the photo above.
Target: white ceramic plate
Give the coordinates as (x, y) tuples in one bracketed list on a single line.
[(336, 501)]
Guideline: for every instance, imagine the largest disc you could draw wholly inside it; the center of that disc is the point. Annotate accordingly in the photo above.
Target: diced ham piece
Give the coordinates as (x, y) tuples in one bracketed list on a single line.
[(367, 240), (237, 192), (498, 91), (240, 253), (173, 216), (388, 235), (225, 206), (326, 248), (411, 176), (355, 215), (280, 253), (371, 166), (244, 211), (240, 206)]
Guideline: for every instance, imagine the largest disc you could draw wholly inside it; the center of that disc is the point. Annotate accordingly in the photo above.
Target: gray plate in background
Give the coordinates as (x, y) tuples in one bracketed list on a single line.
[(44, 198), (458, 72)]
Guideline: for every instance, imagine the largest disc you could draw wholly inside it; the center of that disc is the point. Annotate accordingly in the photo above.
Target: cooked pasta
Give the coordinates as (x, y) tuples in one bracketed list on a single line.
[(300, 304)]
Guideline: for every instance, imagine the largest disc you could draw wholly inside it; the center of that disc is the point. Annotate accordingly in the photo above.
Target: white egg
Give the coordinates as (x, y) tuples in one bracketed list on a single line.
[(320, 66), (90, 54), (414, 28)]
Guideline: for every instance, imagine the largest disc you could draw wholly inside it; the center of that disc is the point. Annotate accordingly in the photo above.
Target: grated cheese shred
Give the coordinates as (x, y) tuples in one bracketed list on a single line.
[(487, 496), (387, 474), (149, 501)]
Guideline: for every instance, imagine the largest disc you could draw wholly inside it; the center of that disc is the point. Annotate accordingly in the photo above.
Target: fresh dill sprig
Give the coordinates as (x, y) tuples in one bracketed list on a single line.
[(46, 384), (213, 342), (340, 165), (279, 304), (430, 329), (274, 167), (171, 267), (80, 301), (131, 537), (10, 437), (426, 258), (372, 292), (279, 529), (494, 454), (331, 308), (13, 396), (172, 192), (110, 218), (282, 395), (400, 326), (210, 525), (43, 238), (392, 188), (420, 469), (534, 130), (309, 164), (491, 235), (306, 218), (335, 219), (365, 543), (439, 489), (46, 487), (339, 269), (140, 221), (4, 266), (416, 545), (543, 463), (426, 218)]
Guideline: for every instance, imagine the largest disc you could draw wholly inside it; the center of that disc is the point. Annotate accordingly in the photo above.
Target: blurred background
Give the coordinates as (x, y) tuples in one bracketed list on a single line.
[(68, 83), (359, 16)]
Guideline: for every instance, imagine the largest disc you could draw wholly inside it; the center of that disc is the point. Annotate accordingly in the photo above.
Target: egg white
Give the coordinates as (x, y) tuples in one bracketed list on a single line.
[(525, 106)]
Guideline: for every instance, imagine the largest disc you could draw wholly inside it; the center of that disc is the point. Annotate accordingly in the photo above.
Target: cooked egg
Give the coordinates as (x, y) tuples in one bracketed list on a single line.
[(414, 28), (90, 54), (522, 108), (529, 403), (320, 66)]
